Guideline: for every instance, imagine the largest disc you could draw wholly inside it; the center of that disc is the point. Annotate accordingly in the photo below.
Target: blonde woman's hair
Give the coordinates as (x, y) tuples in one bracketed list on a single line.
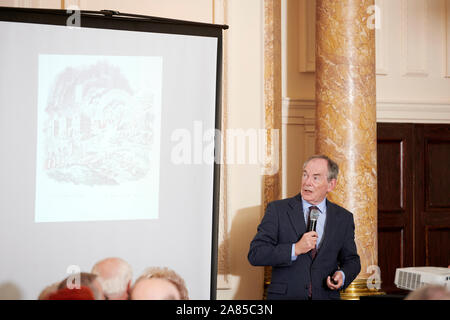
[(167, 274)]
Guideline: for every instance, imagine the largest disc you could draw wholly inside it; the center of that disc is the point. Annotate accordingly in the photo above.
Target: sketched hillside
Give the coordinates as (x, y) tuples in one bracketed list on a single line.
[(97, 130)]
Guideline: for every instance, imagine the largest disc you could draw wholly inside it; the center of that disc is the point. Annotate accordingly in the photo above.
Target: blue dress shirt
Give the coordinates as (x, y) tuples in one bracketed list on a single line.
[(319, 227)]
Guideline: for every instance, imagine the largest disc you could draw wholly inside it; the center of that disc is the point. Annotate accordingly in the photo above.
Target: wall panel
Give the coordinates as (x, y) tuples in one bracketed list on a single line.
[(414, 37)]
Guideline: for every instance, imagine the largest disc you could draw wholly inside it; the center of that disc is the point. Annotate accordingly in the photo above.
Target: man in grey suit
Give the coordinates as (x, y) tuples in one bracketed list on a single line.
[(308, 265)]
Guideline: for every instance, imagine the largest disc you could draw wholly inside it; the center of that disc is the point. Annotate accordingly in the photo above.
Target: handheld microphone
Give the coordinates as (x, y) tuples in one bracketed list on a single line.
[(313, 216)]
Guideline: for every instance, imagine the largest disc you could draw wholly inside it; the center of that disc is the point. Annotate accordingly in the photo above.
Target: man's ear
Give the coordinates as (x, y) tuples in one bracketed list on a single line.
[(331, 185)]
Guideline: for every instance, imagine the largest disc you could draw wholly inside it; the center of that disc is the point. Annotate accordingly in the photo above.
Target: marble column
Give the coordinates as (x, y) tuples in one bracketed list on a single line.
[(346, 115)]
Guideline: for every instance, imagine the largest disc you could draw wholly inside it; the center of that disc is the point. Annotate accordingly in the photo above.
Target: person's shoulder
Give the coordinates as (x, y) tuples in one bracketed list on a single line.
[(287, 202), (340, 210)]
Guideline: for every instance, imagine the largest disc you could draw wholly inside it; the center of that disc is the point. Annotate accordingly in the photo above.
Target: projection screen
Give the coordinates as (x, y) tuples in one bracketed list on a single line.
[(107, 139)]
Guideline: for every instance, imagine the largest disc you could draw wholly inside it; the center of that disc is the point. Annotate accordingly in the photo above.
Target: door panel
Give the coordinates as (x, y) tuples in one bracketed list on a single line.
[(413, 198)]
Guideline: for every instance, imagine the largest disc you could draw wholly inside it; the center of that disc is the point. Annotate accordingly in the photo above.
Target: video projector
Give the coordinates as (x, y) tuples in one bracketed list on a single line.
[(416, 277)]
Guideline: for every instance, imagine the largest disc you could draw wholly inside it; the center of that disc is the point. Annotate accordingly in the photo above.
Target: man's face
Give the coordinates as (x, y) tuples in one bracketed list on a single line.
[(315, 184)]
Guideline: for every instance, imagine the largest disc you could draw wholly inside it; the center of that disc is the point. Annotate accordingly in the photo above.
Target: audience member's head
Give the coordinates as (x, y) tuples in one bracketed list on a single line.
[(86, 280), (83, 293), (159, 284), (48, 291), (430, 292), (114, 275)]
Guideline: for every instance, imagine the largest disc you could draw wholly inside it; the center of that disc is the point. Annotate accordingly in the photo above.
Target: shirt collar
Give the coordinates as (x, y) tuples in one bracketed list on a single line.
[(322, 206)]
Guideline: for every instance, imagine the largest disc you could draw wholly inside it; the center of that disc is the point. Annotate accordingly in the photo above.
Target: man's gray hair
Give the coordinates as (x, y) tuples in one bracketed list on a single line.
[(333, 168)]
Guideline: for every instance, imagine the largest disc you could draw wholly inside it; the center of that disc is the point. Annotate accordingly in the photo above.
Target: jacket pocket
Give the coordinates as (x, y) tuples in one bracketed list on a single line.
[(277, 287)]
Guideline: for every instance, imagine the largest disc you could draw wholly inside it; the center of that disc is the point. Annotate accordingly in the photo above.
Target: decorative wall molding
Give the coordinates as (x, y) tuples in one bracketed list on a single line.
[(299, 112), (414, 33), (65, 4), (307, 35), (382, 37), (302, 111), (298, 141), (413, 111)]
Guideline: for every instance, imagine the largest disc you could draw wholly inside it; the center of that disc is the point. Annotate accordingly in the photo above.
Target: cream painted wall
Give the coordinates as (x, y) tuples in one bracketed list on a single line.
[(413, 54), (50, 4), (298, 91), (412, 85), (193, 10), (413, 72), (244, 110), (296, 84)]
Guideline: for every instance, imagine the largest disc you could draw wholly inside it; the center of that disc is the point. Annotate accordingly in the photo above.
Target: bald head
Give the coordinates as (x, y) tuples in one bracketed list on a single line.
[(155, 289), (114, 275)]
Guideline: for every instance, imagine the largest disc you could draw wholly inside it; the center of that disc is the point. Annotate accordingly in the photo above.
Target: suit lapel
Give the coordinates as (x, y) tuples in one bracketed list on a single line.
[(296, 215)]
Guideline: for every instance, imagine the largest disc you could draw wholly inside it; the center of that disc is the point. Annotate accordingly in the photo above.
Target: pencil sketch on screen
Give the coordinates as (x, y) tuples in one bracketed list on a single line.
[(98, 137)]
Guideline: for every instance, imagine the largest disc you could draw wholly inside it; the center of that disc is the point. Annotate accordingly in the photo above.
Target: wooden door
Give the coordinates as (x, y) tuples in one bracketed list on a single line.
[(395, 200), (432, 209), (413, 198)]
